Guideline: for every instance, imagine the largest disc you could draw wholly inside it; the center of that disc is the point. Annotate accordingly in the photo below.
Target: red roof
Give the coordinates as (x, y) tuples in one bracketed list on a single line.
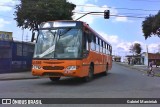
[(153, 56)]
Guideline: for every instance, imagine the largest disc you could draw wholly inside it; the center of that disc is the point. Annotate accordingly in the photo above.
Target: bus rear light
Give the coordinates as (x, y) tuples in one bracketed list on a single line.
[(36, 67)]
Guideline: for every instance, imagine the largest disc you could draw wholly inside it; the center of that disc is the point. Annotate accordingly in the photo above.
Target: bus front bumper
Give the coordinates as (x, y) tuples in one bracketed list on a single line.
[(57, 73)]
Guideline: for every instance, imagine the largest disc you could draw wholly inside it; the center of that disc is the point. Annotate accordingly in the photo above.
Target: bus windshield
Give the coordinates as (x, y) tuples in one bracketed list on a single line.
[(59, 43)]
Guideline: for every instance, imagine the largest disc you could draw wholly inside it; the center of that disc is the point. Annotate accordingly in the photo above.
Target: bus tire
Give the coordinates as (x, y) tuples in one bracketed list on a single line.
[(90, 74), (106, 71), (54, 78)]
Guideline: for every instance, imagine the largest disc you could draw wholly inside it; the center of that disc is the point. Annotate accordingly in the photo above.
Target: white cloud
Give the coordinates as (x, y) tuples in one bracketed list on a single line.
[(3, 22), (94, 8), (154, 47), (7, 5), (78, 1), (121, 19), (8, 2), (89, 18), (121, 47), (124, 45), (113, 39), (90, 8), (118, 44)]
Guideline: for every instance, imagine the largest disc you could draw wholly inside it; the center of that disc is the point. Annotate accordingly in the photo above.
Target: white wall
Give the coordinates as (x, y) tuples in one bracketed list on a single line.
[(145, 55)]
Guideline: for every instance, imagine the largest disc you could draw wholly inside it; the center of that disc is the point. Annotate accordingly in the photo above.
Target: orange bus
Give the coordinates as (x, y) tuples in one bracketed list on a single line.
[(70, 48)]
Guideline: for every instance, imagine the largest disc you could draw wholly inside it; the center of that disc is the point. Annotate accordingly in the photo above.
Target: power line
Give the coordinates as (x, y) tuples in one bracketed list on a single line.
[(132, 15), (129, 16), (120, 8), (135, 14)]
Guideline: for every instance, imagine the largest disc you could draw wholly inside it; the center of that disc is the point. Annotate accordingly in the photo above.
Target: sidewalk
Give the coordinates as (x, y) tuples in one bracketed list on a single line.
[(142, 68), (17, 76)]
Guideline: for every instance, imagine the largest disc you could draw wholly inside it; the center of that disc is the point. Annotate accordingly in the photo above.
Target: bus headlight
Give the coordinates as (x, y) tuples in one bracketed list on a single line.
[(72, 67), (36, 67)]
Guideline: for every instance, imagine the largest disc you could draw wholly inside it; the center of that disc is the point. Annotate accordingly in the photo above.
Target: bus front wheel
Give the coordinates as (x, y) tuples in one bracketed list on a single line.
[(90, 74), (54, 78)]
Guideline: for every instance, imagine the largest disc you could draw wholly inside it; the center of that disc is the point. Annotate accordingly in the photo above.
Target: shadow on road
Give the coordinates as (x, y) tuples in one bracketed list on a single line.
[(70, 81)]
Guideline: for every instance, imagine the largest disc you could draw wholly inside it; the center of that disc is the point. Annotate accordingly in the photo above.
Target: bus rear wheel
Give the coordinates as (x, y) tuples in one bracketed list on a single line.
[(106, 71), (54, 78), (90, 75)]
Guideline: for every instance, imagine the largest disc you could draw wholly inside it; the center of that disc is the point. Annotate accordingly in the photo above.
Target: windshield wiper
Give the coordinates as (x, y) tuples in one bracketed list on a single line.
[(51, 49), (48, 51)]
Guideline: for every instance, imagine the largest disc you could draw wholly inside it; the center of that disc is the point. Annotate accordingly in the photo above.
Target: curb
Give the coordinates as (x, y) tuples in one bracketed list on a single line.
[(21, 78), (157, 75)]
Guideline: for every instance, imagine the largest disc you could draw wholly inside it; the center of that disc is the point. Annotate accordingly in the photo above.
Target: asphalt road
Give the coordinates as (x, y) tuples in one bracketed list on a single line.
[(121, 82)]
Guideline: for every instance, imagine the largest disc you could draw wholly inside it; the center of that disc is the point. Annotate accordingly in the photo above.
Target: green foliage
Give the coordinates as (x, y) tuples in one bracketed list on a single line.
[(136, 48), (151, 25), (30, 13)]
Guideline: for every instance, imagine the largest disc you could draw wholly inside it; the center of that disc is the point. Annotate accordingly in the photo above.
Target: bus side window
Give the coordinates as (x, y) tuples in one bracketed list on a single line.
[(87, 40), (107, 49), (104, 47), (97, 44), (110, 50), (93, 42), (100, 45)]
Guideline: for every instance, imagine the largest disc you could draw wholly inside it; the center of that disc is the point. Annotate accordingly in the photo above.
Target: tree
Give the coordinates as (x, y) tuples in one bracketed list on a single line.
[(151, 25), (30, 13), (136, 48)]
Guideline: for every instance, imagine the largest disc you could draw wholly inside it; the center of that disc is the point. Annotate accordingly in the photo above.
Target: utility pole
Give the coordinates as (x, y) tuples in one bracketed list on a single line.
[(159, 48), (22, 48), (147, 55)]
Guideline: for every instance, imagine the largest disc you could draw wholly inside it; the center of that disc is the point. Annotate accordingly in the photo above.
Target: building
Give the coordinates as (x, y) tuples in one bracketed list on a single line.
[(116, 58), (148, 57), (15, 56), (144, 59), (134, 59)]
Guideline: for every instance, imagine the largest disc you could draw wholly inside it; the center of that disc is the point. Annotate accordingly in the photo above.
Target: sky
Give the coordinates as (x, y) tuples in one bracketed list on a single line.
[(120, 32)]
